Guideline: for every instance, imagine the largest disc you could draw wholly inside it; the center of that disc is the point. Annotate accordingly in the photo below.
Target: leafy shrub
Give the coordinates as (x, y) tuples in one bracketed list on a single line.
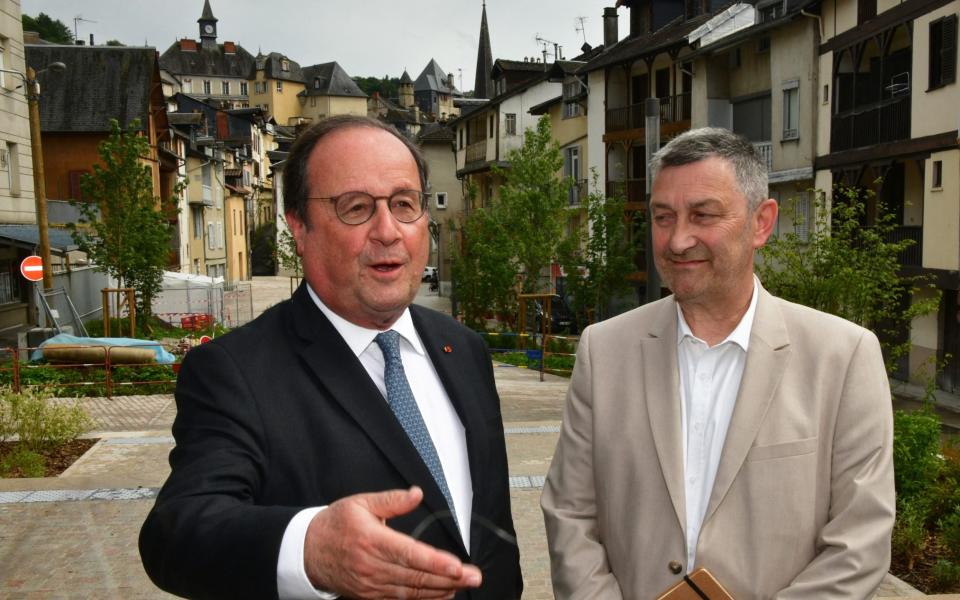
[(27, 462), (909, 532), (916, 451), (950, 534), (946, 574), (41, 423)]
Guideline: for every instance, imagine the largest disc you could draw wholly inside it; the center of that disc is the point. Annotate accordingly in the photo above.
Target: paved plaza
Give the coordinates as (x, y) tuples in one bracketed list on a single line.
[(75, 536)]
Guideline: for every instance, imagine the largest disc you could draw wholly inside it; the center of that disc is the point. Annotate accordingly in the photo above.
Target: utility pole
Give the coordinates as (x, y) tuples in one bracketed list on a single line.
[(39, 185)]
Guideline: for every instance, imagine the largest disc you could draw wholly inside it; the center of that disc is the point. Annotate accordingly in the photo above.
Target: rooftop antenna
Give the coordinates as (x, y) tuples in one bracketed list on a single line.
[(460, 71), (546, 43), (79, 19), (582, 28)]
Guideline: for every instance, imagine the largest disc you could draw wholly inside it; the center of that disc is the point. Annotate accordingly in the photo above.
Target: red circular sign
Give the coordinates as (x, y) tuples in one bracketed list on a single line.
[(205, 338), (32, 268)]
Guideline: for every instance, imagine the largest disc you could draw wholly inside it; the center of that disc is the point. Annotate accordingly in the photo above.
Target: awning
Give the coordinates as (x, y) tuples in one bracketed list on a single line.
[(28, 237)]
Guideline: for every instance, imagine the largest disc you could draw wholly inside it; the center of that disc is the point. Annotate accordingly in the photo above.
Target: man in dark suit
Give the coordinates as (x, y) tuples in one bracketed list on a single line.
[(345, 443)]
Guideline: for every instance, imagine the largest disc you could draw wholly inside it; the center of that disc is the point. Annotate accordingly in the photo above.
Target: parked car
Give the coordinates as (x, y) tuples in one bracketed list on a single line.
[(428, 273)]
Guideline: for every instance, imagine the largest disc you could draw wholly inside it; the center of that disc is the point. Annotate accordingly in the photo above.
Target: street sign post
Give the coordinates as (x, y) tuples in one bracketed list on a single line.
[(32, 268)]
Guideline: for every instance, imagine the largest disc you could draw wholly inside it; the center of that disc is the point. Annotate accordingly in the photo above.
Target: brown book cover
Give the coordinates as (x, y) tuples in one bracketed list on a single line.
[(699, 585)]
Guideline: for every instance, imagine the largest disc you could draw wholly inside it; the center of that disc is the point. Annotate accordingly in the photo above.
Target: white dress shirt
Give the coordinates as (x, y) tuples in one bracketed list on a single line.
[(709, 382), (439, 415)]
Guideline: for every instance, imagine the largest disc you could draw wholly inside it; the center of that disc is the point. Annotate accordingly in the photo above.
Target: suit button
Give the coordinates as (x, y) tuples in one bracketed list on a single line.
[(675, 567)]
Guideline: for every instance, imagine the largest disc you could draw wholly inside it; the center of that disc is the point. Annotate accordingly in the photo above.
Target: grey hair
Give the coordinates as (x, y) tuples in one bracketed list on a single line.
[(699, 144)]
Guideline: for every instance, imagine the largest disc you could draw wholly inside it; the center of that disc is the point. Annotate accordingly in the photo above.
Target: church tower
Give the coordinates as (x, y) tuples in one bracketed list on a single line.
[(483, 86), (406, 90), (208, 27)]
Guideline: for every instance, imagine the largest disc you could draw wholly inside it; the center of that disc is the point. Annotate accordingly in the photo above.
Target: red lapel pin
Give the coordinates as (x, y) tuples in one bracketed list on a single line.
[(448, 349)]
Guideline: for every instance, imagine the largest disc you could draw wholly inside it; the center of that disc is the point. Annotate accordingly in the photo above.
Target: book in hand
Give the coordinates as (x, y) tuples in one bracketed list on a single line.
[(699, 585)]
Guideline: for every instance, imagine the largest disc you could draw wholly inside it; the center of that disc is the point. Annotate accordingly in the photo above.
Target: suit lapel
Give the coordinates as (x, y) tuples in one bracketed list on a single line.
[(329, 358), (662, 392), (767, 358)]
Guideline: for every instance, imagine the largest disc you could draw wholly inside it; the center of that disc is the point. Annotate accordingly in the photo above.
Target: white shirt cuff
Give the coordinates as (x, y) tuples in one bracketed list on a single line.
[(292, 581)]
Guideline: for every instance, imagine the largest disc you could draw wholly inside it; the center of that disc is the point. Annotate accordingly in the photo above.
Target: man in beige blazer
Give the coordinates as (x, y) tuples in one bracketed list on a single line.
[(721, 427)]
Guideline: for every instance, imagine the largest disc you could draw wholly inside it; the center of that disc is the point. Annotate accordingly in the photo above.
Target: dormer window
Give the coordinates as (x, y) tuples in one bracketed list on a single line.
[(316, 83), (284, 65)]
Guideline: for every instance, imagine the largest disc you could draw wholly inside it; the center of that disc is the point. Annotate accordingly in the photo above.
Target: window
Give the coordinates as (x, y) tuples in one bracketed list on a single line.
[(943, 51), (187, 86), (796, 215), (826, 93), (279, 86), (571, 109), (243, 88), (13, 168), (206, 86), (3, 62), (9, 281), (937, 175), (461, 138), (763, 45), (490, 133), (571, 169), (284, 65), (220, 234), (225, 87), (510, 123), (441, 200), (791, 110), (197, 216), (211, 236)]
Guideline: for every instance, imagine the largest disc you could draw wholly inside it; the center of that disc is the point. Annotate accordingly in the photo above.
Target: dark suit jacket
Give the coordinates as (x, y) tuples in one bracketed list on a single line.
[(280, 415)]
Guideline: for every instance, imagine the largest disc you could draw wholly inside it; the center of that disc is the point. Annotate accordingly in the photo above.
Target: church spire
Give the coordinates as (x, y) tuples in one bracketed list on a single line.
[(208, 26), (483, 85)]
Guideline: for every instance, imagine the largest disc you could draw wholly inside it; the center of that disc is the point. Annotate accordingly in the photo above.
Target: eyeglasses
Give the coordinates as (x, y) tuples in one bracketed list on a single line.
[(356, 208)]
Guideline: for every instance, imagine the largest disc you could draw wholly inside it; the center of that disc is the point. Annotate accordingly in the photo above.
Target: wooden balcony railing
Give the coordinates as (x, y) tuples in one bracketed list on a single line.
[(477, 152), (875, 123), (631, 190), (672, 109)]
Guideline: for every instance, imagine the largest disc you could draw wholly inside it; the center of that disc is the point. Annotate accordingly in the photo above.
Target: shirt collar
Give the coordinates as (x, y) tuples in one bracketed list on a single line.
[(359, 338), (740, 334)]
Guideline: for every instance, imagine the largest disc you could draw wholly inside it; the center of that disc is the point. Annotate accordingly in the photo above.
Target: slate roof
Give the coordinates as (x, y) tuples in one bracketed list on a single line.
[(483, 83), (673, 33), (29, 235), (436, 132), (329, 79), (84, 97), (502, 65), (433, 79), (544, 107), (272, 67), (210, 62), (405, 78)]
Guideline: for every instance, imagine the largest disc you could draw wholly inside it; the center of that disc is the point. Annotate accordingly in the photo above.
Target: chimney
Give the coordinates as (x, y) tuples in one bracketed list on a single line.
[(450, 80), (91, 39), (610, 34)]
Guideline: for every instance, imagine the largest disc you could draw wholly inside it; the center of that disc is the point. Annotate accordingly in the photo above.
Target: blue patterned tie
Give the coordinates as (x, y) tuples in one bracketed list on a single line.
[(404, 406)]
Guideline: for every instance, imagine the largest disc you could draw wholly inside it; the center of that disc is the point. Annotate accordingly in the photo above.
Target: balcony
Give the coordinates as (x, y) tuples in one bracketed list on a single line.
[(631, 190), (577, 193), (912, 256), (871, 124), (765, 152), (673, 109), (476, 152)]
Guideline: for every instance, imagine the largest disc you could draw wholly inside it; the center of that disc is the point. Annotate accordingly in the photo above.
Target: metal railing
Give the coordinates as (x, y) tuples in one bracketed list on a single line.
[(765, 152), (672, 109), (577, 192), (874, 123), (631, 190), (911, 256)]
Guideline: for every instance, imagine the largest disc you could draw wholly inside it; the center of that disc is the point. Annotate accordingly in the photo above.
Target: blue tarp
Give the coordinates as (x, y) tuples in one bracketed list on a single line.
[(162, 356)]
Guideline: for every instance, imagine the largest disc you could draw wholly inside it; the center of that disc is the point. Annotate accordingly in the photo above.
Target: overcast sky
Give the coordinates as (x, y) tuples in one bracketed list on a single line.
[(367, 37)]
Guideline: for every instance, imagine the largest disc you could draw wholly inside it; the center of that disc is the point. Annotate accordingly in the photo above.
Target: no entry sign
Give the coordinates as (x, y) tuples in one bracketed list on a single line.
[(32, 268)]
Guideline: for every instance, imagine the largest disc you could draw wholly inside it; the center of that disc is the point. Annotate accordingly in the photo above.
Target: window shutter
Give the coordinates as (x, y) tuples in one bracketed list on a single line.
[(948, 50)]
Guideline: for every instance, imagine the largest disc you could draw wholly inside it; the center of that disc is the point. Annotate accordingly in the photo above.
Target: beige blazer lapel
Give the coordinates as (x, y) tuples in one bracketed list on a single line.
[(661, 391), (767, 359)]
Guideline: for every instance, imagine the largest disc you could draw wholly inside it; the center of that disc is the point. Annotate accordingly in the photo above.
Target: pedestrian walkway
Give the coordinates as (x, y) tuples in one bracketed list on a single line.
[(76, 535)]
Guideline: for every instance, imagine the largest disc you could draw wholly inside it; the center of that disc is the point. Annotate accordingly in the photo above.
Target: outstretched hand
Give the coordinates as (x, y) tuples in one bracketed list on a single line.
[(349, 550)]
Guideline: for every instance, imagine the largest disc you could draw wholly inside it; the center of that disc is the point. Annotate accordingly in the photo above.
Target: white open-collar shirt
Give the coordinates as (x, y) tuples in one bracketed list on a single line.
[(709, 382), (439, 415)]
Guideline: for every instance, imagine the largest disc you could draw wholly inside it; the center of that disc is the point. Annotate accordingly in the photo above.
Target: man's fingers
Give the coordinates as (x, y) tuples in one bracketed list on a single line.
[(435, 568), (392, 503)]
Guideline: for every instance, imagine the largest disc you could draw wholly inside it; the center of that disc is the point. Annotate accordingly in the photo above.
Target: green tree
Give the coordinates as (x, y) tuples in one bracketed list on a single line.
[(598, 259), (287, 253), (850, 270), (483, 268), (51, 30), (124, 228), (531, 206), (388, 87)]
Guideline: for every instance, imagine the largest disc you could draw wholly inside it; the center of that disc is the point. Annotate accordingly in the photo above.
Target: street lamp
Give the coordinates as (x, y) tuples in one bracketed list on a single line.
[(32, 92)]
